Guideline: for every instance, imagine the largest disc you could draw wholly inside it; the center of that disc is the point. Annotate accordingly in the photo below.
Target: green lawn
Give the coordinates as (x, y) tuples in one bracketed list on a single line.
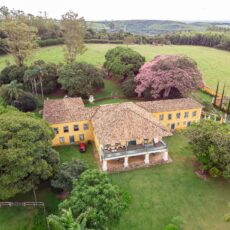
[(213, 63), (162, 192), (67, 153)]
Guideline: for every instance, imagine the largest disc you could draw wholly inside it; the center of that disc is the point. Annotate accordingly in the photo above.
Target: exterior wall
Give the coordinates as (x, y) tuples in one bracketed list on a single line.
[(88, 134), (181, 122)]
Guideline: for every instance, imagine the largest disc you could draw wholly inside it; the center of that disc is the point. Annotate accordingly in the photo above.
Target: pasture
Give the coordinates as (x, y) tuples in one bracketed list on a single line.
[(213, 63)]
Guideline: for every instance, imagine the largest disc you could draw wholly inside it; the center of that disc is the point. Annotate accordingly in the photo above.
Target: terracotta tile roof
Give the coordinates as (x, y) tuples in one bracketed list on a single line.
[(124, 122), (169, 105), (57, 111)]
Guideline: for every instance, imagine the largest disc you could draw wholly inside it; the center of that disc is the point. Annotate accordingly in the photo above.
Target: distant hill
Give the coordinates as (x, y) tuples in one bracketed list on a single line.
[(152, 27)]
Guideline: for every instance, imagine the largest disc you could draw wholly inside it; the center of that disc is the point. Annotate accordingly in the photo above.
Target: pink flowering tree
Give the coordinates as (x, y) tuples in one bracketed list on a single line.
[(167, 75)]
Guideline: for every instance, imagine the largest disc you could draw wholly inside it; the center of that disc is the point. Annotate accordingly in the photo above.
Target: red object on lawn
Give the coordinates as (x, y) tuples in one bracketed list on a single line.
[(82, 147)]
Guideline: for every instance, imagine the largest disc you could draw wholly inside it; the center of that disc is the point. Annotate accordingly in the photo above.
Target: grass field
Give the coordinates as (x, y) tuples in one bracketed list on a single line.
[(213, 63), (162, 192)]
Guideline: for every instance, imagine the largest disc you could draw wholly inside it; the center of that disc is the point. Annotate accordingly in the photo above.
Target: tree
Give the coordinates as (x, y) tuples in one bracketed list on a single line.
[(94, 190), (67, 173), (168, 76), (20, 39), (129, 40), (212, 149), (216, 94), (11, 73), (26, 102), (65, 222), (81, 79), (73, 32), (122, 63), (11, 92), (26, 155)]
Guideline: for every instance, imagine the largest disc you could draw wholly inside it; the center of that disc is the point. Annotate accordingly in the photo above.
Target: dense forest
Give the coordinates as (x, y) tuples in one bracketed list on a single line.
[(216, 39)]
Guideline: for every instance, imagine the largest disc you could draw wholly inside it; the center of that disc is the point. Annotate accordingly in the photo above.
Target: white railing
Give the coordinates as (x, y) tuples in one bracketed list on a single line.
[(132, 152)]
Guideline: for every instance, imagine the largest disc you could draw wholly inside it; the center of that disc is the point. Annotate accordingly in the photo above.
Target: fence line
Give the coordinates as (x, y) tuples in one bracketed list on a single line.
[(21, 204)]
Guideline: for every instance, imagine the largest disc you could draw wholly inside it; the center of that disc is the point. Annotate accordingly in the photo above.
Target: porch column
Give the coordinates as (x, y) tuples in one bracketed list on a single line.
[(146, 158), (165, 156), (104, 165), (126, 162)]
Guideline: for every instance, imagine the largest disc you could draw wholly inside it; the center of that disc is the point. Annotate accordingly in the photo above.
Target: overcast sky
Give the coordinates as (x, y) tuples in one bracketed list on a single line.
[(128, 9)]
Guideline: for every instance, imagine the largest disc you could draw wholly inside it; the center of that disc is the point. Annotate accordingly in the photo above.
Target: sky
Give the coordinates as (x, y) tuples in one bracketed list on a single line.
[(181, 10)]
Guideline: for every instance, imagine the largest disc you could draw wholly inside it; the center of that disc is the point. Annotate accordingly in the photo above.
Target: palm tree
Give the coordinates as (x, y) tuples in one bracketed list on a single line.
[(31, 76), (64, 222), (11, 92)]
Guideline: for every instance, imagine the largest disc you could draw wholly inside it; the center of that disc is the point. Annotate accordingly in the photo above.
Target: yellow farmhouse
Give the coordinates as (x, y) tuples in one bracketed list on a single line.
[(123, 133)]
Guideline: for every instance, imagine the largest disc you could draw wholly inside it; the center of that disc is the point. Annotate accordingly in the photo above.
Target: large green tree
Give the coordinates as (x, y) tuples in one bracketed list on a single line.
[(210, 142), (26, 155), (122, 63), (81, 79), (20, 39), (73, 29), (94, 190)]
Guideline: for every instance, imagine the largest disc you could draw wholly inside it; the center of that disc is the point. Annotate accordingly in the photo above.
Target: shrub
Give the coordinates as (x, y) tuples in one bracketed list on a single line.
[(50, 42), (67, 173), (11, 73), (26, 102)]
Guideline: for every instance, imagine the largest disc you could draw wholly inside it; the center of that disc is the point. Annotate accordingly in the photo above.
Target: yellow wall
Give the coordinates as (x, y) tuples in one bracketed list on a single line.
[(88, 134), (181, 122)]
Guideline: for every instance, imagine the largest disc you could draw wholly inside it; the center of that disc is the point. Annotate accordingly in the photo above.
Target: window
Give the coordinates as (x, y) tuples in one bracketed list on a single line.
[(76, 127), (188, 123), (178, 123), (86, 126), (56, 130), (66, 129), (186, 115), (61, 139), (178, 115), (194, 113), (161, 117), (170, 117), (81, 137)]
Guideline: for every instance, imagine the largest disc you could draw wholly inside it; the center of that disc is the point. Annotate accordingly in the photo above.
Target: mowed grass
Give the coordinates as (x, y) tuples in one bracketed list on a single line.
[(213, 63), (163, 192)]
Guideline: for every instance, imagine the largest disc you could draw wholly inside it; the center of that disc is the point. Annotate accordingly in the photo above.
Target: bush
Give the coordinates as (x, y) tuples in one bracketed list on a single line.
[(26, 102), (128, 87), (3, 46), (11, 73), (67, 173), (50, 42)]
